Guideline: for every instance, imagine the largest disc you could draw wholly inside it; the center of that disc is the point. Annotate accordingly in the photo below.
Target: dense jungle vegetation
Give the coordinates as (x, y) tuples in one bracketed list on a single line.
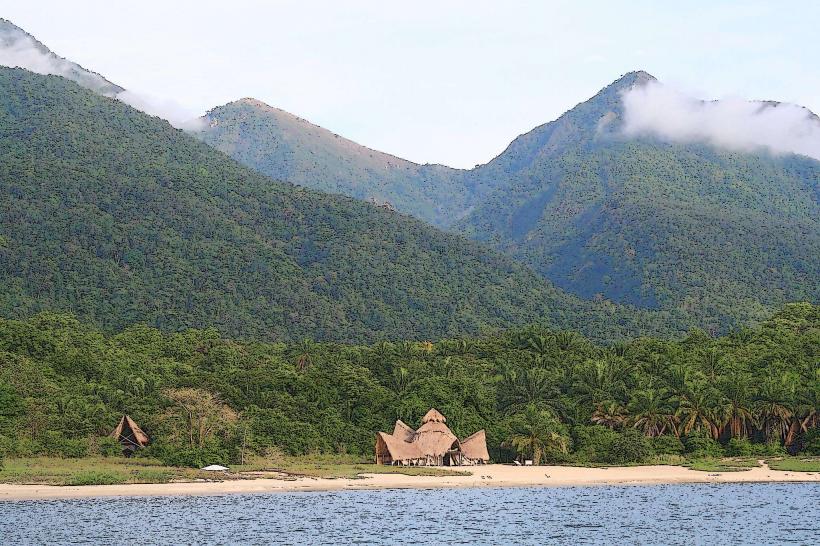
[(548, 395), (118, 218)]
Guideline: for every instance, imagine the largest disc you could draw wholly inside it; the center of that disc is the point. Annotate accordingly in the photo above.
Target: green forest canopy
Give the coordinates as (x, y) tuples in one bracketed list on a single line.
[(118, 218), (64, 384), (721, 237)]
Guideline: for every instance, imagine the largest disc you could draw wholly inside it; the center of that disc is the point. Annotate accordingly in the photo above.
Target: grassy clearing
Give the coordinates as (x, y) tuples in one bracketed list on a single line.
[(334, 466), (732, 464), (795, 464), (93, 471), (117, 470)]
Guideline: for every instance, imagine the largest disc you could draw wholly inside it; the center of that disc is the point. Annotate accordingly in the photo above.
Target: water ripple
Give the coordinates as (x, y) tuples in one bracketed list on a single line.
[(673, 514)]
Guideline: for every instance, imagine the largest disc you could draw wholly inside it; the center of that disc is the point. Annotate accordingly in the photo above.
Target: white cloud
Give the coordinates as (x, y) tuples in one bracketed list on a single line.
[(177, 115), (736, 124), (18, 50)]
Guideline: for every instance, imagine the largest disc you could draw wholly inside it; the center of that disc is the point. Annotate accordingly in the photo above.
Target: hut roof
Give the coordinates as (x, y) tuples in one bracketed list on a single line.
[(399, 449), (433, 415), (474, 446), (433, 438), (123, 427), (403, 431)]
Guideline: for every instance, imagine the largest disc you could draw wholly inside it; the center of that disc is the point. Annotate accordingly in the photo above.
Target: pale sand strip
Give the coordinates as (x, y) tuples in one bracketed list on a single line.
[(483, 476)]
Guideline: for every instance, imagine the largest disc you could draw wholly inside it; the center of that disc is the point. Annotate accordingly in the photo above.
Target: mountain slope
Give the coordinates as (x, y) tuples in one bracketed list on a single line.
[(286, 147), (119, 218), (20, 49), (722, 237)]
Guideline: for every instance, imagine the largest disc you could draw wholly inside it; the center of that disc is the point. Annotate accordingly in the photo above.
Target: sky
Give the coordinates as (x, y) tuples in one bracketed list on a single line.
[(450, 82)]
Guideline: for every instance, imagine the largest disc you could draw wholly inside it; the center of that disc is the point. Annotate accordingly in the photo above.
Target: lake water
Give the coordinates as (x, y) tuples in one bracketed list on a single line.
[(663, 514)]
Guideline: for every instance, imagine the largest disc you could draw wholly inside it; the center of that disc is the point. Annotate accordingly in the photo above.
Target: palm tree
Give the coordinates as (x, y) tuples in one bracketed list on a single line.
[(736, 410), (697, 412), (652, 413), (609, 414), (567, 340), (539, 344), (533, 386), (536, 432), (599, 381), (807, 403), (772, 409), (712, 364), (305, 350)]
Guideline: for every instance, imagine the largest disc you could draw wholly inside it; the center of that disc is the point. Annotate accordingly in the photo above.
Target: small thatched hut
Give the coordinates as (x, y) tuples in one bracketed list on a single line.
[(129, 435), (432, 444)]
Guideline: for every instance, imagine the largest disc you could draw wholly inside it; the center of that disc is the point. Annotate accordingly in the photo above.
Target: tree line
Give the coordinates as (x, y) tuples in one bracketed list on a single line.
[(540, 394)]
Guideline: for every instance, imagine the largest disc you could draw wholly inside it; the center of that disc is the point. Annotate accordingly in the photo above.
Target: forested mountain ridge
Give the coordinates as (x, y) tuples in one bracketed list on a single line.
[(119, 218), (286, 147), (716, 235)]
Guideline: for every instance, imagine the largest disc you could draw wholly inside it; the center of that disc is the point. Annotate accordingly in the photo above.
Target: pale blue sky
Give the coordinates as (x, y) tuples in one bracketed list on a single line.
[(442, 82)]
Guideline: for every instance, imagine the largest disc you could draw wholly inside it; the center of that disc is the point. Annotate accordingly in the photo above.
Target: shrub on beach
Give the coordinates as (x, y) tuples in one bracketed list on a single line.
[(108, 447), (700, 446), (811, 442), (631, 446), (94, 477), (172, 455), (667, 445), (592, 443), (600, 444), (738, 447), (57, 444)]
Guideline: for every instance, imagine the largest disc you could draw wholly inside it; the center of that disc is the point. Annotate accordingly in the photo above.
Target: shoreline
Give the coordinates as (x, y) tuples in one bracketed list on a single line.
[(494, 475)]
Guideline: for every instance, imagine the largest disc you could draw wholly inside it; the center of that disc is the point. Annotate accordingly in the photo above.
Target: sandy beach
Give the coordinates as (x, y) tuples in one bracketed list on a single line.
[(483, 476)]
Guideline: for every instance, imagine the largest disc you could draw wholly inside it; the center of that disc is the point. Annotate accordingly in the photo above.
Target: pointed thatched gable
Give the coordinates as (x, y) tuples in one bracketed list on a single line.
[(129, 435), (401, 430), (432, 444), (474, 446)]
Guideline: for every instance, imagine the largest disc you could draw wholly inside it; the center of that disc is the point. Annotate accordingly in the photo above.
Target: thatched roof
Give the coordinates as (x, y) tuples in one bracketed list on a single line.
[(433, 415), (403, 431), (129, 431), (474, 446), (399, 449), (433, 439)]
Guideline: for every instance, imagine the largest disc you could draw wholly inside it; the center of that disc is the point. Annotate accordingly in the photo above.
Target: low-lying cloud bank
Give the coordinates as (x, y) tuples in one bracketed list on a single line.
[(20, 50), (657, 110), (176, 114)]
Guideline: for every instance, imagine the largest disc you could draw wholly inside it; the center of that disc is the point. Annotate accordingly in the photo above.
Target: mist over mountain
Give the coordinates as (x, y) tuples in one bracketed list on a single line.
[(20, 49), (718, 233)]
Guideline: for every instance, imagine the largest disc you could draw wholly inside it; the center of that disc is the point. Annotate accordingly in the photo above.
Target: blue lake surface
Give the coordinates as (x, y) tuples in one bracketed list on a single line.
[(661, 514)]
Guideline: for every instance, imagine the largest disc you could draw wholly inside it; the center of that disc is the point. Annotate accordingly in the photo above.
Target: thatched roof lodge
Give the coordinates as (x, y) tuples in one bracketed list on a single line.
[(129, 435), (432, 444)]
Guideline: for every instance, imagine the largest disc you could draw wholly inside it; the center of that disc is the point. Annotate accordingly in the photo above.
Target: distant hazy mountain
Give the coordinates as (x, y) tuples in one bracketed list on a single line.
[(116, 216), (286, 147), (720, 236), (19, 48)]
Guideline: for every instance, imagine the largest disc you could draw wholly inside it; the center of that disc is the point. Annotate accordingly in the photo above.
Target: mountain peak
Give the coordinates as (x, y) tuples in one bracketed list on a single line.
[(631, 79), (250, 101)]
